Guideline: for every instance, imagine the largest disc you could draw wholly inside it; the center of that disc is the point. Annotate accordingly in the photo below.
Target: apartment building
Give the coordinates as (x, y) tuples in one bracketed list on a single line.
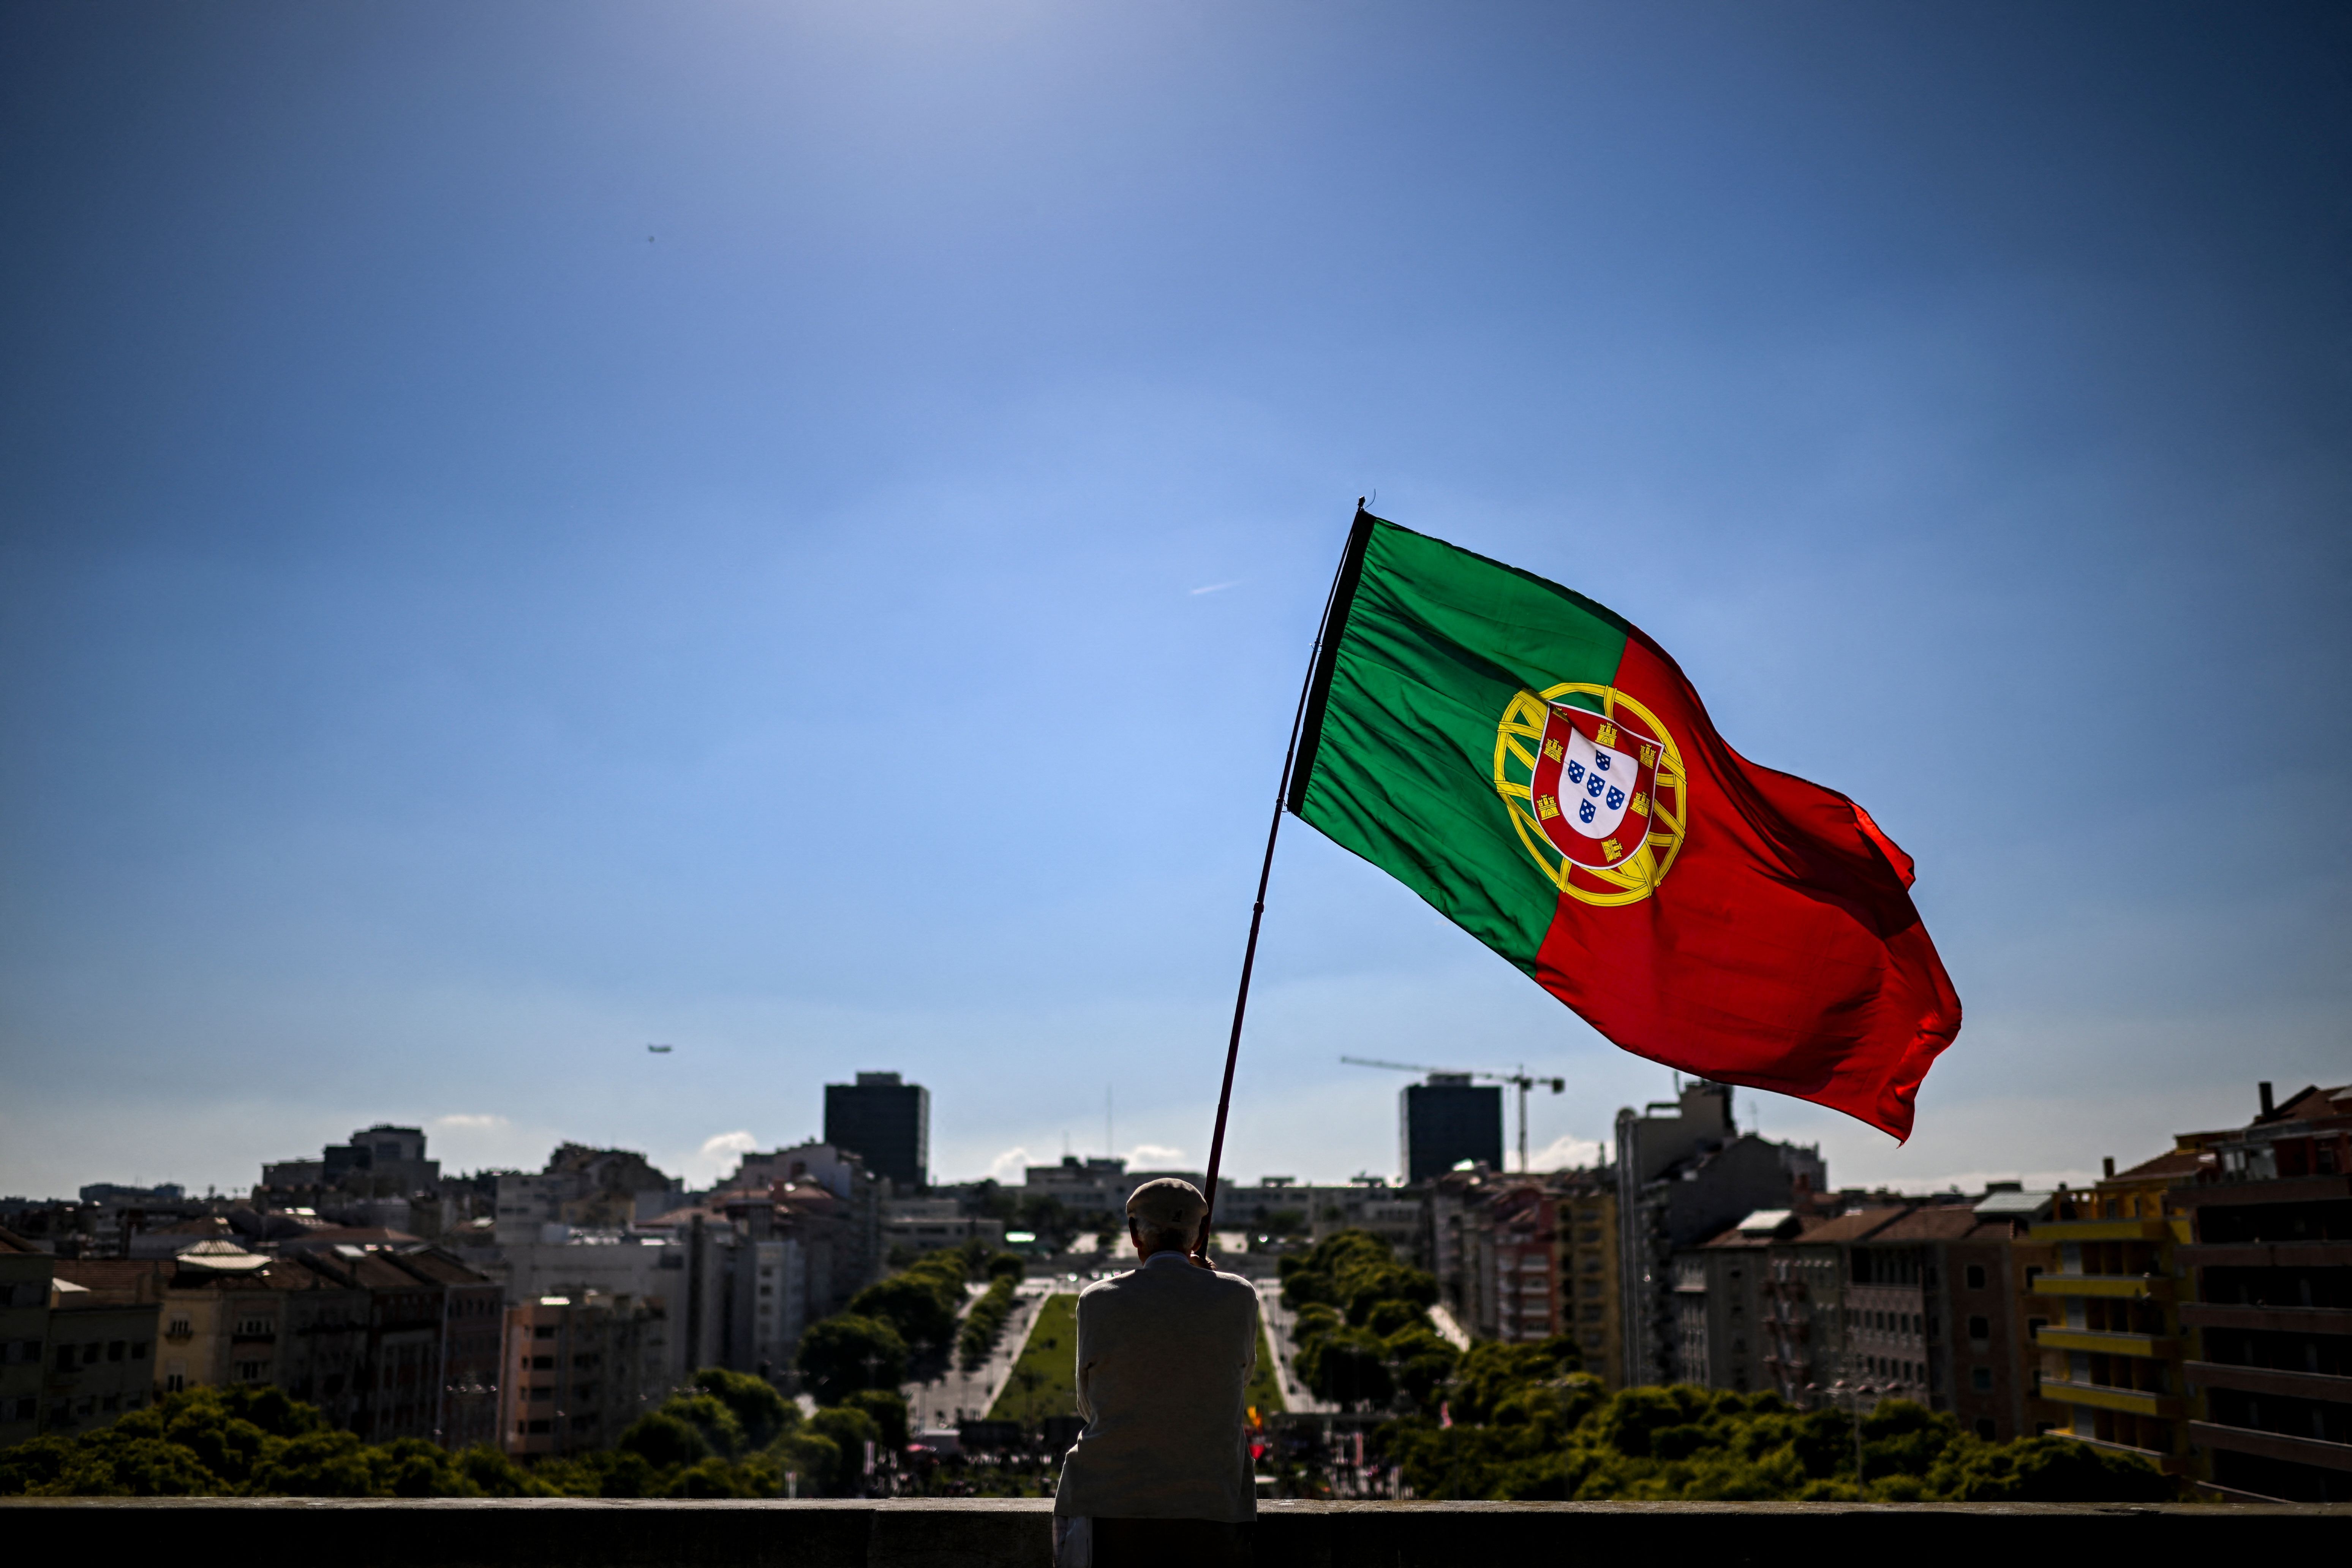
[(101, 1364), (24, 1276), (1584, 1213), (2106, 1281), (579, 1370), (2267, 1303), (1682, 1178), (1734, 1324)]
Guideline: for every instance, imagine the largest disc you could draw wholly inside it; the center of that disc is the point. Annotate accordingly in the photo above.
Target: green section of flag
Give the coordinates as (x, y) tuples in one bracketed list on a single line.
[(1429, 645)]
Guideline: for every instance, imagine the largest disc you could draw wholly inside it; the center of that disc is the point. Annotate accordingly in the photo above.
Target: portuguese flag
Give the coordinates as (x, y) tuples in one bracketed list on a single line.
[(1540, 771)]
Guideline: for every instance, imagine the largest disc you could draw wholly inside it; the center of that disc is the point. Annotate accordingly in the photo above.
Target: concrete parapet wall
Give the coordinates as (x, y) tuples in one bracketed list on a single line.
[(926, 1533)]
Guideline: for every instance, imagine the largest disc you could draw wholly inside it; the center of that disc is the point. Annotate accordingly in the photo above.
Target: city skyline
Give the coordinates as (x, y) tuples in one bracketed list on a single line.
[(793, 533)]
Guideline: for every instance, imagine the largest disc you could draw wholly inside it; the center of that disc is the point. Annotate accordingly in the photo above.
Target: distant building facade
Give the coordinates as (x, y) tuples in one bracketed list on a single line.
[(2269, 1269), (24, 1276), (911, 1226), (1520, 1259), (886, 1123), (1681, 1179), (1445, 1121), (579, 1370)]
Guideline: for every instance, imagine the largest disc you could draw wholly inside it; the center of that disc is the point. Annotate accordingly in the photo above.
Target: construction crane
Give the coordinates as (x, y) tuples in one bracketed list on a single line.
[(1518, 1080)]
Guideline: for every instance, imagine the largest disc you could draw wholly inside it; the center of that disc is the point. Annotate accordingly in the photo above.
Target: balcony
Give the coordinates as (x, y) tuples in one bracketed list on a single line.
[(2100, 1396), (2104, 1342), (2148, 1287), (2103, 1231), (2268, 1254), (2273, 1444), (2281, 1320), (2268, 1380)]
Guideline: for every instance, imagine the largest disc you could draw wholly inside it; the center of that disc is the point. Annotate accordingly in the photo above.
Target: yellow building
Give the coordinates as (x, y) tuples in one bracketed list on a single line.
[(1585, 1216), (2109, 1342)]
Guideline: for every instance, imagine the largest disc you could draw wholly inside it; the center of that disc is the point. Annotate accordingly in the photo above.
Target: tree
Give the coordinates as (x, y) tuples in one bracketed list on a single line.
[(2045, 1469), (848, 1428), (816, 1458), (914, 1303), (762, 1412), (712, 1421), (844, 1353), (662, 1440), (1348, 1365), (887, 1408)]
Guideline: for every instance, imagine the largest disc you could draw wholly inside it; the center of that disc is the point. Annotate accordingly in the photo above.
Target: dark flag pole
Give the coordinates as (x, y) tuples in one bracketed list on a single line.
[(1317, 675)]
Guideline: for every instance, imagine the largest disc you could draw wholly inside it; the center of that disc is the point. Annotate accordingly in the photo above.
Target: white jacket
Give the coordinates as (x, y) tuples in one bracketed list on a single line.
[(1165, 1353)]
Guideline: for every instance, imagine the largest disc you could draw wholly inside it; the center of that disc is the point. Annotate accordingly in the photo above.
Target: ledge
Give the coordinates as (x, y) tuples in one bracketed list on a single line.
[(2157, 1285), (2268, 1380), (2280, 1319), (585, 1533)]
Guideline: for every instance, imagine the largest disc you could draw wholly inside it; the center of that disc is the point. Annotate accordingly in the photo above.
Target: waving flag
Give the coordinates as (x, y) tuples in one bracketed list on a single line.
[(1540, 771)]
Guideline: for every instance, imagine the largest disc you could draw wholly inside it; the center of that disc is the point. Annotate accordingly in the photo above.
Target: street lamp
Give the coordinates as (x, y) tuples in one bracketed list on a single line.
[(1848, 1397)]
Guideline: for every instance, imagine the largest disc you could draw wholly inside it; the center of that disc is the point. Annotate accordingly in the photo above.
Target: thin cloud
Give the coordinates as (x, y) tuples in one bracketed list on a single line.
[(1215, 588), (1153, 1156), (737, 1142), (1565, 1154), (1007, 1165), (468, 1123)]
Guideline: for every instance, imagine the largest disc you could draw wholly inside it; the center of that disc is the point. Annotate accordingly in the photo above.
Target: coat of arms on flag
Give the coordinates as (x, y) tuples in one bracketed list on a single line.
[(1594, 785)]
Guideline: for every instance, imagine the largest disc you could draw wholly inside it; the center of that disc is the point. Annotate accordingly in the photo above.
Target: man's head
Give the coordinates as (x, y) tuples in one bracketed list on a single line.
[(1164, 1216)]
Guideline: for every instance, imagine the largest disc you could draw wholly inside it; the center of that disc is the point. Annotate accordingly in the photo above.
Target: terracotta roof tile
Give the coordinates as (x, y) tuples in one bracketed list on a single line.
[(1861, 1226)]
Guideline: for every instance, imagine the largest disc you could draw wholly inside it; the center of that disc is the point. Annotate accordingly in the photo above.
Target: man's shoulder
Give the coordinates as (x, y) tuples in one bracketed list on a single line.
[(1169, 1277)]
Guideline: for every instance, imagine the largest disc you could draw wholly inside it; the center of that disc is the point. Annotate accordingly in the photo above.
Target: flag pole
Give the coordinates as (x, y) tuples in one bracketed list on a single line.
[(1258, 908)]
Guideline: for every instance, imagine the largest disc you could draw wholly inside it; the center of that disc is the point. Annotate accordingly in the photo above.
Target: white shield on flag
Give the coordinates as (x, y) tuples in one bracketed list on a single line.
[(1595, 783)]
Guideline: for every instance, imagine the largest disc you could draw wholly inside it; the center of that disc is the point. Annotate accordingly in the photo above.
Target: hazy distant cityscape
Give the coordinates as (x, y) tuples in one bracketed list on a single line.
[(2180, 1311)]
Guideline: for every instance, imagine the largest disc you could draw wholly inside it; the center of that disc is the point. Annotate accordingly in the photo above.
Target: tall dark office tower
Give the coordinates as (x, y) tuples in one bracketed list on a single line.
[(886, 1123), (1447, 1121)]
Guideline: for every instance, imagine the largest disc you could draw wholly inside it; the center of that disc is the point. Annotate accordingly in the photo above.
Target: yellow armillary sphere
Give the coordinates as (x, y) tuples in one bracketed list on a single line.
[(1595, 787)]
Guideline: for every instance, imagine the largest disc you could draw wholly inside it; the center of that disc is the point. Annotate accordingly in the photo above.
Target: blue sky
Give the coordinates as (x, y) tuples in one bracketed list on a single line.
[(793, 530)]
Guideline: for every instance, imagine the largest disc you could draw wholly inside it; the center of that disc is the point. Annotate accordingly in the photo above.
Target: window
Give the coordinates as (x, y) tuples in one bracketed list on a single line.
[(1976, 1277), (1981, 1330), (139, 1350), (1980, 1379), (65, 1357), (116, 1349), (544, 1332), (1984, 1428), (174, 1382)]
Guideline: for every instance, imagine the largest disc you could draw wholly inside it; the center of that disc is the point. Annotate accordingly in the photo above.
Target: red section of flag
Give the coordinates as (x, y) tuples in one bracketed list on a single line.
[(1783, 953)]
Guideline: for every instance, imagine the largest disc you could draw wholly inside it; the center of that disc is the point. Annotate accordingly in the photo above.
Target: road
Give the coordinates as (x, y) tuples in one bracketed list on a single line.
[(960, 1396), (1278, 1321)]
